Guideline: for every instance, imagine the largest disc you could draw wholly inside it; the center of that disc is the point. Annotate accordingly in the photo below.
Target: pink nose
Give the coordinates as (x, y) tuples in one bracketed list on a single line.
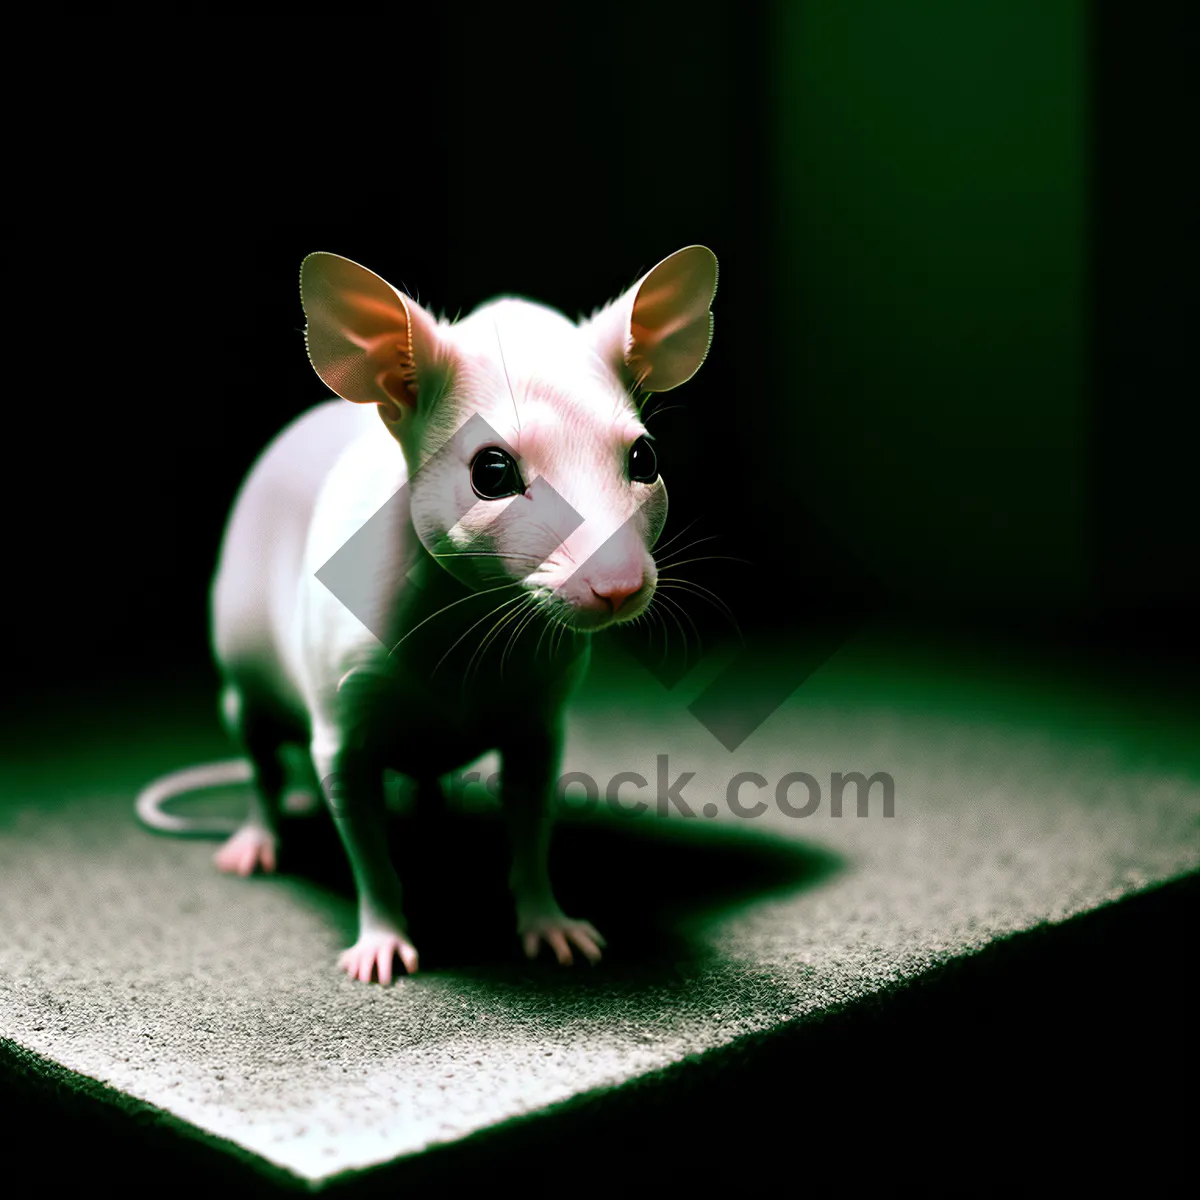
[(615, 594)]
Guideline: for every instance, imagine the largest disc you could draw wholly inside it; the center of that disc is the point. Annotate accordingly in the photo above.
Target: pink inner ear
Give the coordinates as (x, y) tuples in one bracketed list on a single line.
[(670, 327), (358, 334)]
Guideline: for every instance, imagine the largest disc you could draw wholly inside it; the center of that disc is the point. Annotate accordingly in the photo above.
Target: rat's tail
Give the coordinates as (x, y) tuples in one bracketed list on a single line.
[(149, 804)]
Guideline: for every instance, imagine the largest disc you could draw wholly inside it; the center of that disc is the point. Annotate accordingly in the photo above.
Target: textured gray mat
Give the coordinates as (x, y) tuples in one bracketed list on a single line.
[(1020, 799)]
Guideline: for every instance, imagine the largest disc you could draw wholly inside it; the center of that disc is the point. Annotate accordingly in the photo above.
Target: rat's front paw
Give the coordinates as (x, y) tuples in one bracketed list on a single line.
[(373, 955), (251, 849), (559, 932)]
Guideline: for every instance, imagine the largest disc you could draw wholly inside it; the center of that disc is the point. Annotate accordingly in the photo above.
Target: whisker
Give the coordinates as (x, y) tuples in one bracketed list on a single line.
[(696, 542), (646, 614), (687, 585), (673, 607), (560, 543), (480, 654), (477, 658), (504, 364), (665, 632), (712, 537), (488, 554), (515, 636), (550, 623), (679, 607), (677, 536), (562, 633), (654, 412), (446, 608), (499, 607), (709, 558), (652, 611)]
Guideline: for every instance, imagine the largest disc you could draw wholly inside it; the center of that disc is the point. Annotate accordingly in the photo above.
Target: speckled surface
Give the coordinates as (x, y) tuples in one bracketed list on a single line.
[(1021, 799)]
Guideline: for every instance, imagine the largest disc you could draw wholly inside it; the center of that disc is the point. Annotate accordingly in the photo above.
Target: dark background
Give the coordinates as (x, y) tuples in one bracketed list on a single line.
[(953, 383), (952, 379)]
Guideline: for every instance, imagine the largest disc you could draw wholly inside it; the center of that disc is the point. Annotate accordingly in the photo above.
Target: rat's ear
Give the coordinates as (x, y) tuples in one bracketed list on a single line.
[(657, 334), (367, 341)]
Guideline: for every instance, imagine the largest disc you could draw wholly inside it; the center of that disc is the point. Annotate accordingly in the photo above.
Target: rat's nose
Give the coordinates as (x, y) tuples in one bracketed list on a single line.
[(614, 594)]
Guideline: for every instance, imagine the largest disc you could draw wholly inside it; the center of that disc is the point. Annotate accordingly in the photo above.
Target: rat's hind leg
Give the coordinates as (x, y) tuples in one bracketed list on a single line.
[(255, 845), (302, 795)]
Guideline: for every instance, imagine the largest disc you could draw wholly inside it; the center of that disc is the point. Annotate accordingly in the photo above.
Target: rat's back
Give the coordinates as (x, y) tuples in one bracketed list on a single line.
[(262, 551)]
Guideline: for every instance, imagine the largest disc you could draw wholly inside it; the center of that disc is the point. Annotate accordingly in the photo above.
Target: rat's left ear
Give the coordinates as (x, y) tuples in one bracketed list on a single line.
[(657, 334), (367, 341)]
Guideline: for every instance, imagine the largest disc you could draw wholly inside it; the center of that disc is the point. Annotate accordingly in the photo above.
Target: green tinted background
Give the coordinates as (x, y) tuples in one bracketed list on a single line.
[(928, 205)]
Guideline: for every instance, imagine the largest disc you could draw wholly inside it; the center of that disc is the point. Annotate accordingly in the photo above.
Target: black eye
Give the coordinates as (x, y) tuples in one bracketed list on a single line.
[(643, 466), (494, 474)]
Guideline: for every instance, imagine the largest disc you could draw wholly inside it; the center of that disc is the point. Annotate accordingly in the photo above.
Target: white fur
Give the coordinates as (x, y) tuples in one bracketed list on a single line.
[(300, 667)]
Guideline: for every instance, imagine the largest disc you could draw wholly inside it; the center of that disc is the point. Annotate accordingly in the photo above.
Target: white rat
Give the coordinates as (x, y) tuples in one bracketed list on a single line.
[(502, 499)]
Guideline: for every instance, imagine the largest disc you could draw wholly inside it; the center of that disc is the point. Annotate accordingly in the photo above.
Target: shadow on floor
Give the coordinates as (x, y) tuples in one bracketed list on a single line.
[(645, 884)]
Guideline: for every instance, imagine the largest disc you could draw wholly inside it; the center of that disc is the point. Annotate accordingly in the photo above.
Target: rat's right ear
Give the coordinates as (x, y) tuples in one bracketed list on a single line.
[(657, 334), (367, 341)]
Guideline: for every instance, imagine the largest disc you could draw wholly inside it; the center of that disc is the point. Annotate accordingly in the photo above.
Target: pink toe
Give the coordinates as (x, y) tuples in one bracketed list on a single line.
[(561, 949), (590, 951), (384, 958)]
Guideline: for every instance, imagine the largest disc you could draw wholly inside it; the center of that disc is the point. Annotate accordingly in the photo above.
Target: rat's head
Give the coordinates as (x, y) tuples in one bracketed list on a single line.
[(529, 466)]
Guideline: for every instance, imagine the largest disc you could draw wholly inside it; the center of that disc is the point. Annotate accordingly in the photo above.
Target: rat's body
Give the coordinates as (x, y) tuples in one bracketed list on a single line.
[(514, 517)]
